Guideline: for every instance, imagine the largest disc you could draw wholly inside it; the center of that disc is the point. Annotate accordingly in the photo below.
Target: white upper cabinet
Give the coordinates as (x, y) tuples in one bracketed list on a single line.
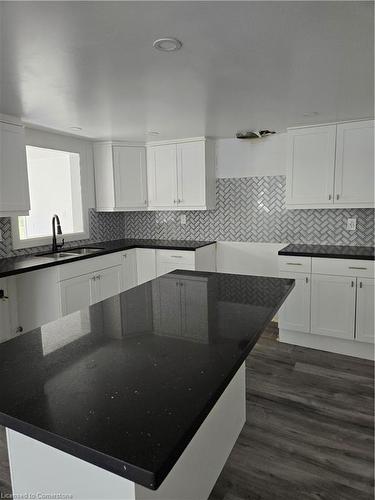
[(311, 165), (181, 175), (162, 176), (354, 175), (120, 177), (331, 166), (14, 185)]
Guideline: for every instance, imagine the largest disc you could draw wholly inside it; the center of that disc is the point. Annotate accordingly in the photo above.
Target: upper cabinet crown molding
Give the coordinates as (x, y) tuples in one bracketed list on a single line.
[(14, 184), (331, 166)]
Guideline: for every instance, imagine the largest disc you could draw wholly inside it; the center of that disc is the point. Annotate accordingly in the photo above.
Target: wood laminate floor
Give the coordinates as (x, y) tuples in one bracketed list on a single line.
[(308, 433)]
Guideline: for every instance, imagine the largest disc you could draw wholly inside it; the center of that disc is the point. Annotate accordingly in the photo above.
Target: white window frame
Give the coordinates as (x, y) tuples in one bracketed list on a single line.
[(64, 144)]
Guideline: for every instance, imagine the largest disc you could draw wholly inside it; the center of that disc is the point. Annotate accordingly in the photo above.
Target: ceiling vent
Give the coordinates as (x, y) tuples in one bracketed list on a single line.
[(254, 134)]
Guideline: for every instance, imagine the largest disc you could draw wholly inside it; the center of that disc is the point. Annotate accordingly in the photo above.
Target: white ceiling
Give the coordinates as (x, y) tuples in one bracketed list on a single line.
[(242, 65)]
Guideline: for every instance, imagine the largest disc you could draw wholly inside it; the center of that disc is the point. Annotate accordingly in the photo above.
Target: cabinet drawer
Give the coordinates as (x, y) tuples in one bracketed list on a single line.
[(91, 265), (343, 267), (290, 263), (185, 257)]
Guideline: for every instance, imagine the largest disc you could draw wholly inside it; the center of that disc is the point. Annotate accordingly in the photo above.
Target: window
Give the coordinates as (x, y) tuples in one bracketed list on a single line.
[(55, 188)]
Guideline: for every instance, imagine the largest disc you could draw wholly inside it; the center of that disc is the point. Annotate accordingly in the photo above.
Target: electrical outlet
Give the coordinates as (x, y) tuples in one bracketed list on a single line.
[(183, 219), (351, 224)]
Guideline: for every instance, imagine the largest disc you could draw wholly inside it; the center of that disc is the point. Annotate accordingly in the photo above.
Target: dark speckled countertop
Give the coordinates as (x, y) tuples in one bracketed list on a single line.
[(122, 384), (329, 251), (25, 263)]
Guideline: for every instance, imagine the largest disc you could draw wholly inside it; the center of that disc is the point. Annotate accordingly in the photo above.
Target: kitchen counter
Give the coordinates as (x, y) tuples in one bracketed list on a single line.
[(329, 251), (25, 263), (126, 384)]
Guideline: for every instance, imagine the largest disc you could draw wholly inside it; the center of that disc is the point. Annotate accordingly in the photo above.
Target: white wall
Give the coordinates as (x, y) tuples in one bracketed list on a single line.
[(251, 158)]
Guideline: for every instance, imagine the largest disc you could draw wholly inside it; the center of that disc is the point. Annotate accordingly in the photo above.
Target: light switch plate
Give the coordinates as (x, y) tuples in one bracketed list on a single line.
[(351, 224)]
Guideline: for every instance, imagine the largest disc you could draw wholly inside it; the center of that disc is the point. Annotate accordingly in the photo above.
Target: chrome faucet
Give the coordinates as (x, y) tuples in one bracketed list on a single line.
[(56, 222)]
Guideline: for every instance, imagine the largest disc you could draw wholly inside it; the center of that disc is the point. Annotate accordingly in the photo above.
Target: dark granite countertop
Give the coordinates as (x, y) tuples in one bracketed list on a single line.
[(329, 251), (125, 384), (25, 263)]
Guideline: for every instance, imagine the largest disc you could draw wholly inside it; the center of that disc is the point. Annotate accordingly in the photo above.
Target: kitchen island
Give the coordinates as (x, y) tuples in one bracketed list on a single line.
[(141, 396)]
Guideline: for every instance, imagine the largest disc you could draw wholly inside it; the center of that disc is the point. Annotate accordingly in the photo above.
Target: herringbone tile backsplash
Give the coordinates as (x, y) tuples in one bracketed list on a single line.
[(247, 209), (253, 209)]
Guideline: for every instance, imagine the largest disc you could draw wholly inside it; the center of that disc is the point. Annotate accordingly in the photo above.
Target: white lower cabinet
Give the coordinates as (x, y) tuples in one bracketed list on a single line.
[(129, 269), (364, 331), (295, 313), (146, 264), (82, 291), (76, 293), (333, 306)]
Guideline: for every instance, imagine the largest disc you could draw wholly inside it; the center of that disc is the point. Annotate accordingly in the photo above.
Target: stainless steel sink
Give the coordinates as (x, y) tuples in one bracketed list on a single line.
[(69, 253)]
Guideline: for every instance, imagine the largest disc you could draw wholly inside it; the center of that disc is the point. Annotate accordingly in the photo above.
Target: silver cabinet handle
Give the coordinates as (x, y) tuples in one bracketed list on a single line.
[(19, 329), (176, 256), (179, 201), (360, 284), (307, 279), (125, 255), (352, 284), (294, 263), (175, 201), (337, 197), (330, 197), (360, 268)]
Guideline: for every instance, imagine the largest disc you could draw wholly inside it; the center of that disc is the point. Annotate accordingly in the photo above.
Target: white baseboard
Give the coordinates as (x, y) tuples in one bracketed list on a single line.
[(329, 344)]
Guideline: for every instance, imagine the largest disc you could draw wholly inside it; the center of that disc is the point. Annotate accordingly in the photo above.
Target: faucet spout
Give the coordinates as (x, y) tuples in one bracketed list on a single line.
[(56, 225)]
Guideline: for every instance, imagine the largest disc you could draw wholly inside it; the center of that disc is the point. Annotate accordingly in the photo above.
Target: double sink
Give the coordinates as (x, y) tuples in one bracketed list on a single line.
[(69, 253)]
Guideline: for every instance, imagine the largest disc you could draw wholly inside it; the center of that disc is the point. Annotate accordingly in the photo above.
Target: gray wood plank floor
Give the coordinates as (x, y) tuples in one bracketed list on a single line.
[(308, 433)]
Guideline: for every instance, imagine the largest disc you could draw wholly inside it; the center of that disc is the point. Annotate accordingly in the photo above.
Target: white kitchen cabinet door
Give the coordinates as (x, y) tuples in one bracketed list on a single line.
[(354, 174), (191, 174), (365, 310), (14, 184), (146, 264), (77, 293), (333, 306), (295, 312), (108, 282), (162, 176), (129, 269), (130, 179), (311, 165)]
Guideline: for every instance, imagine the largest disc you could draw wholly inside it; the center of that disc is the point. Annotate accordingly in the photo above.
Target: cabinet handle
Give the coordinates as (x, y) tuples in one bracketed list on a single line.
[(99, 276), (352, 284), (294, 264), (307, 280), (19, 329), (3, 296), (330, 197), (361, 268), (360, 284), (124, 255), (175, 201), (179, 201), (93, 278), (176, 256), (337, 197)]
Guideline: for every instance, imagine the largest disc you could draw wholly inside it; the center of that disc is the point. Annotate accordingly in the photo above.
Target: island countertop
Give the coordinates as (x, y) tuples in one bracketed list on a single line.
[(126, 383)]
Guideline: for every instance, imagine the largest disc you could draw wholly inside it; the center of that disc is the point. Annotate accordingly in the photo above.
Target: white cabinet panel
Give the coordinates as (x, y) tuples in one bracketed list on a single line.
[(14, 185), (162, 176), (130, 177), (129, 269), (146, 264), (354, 174), (108, 282), (333, 306), (77, 293), (311, 164), (365, 310), (295, 312), (191, 174)]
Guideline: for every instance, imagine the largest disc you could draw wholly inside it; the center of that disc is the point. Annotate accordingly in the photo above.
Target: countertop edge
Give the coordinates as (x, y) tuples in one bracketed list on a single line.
[(45, 265)]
